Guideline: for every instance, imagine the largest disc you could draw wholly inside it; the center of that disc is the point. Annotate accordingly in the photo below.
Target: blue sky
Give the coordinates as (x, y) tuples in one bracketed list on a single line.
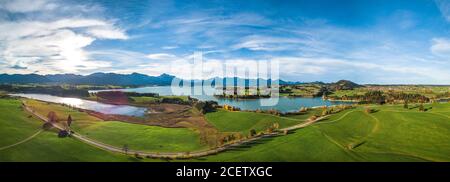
[(367, 41)]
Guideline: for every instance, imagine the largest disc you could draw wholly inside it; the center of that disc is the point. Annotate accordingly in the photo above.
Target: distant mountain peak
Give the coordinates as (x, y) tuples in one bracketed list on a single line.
[(133, 79), (344, 85)]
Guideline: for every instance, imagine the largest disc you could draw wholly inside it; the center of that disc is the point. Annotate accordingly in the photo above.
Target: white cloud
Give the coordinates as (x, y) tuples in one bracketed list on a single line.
[(440, 47), (444, 7), (107, 33), (169, 47), (268, 43), (162, 56), (25, 6), (52, 46)]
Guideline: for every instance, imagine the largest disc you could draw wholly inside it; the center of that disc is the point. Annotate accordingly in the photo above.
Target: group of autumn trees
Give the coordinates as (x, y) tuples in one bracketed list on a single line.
[(380, 97), (120, 97), (52, 120), (237, 136)]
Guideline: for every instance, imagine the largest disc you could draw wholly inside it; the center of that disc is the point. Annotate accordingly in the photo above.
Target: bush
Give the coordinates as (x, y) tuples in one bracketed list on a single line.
[(137, 156), (252, 132), (369, 110), (421, 108), (63, 133), (206, 106), (313, 117)]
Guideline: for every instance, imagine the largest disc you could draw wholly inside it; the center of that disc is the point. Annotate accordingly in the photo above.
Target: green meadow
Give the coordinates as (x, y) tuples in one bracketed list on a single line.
[(16, 125), (134, 136), (237, 121), (144, 138), (391, 133)]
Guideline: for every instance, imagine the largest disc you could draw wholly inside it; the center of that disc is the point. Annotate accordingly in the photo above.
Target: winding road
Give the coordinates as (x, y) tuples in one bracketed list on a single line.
[(22, 141), (179, 155)]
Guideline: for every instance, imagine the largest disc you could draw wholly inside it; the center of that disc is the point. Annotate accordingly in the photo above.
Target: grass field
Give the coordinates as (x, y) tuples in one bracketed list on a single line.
[(46, 146), (145, 100), (235, 121), (391, 134), (135, 136), (17, 128), (152, 100), (146, 138)]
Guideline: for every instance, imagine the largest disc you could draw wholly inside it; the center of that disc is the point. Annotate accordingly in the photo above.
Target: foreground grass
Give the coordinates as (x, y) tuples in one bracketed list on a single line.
[(135, 136), (391, 134), (48, 147), (15, 125)]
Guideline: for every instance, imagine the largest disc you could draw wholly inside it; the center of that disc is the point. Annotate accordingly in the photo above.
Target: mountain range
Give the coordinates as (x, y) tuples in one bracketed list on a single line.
[(133, 79)]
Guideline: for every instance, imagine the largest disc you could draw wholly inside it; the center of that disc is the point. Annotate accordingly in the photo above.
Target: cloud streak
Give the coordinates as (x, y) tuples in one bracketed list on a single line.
[(440, 47), (444, 7)]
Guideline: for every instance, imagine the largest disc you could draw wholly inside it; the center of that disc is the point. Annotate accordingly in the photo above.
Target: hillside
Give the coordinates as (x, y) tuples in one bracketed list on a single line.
[(344, 85)]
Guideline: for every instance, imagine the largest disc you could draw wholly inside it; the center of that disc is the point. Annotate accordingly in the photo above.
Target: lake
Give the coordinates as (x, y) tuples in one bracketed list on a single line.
[(284, 104), (88, 105)]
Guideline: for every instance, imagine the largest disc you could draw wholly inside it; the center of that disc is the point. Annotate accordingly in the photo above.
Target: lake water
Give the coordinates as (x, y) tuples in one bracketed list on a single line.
[(89, 105), (284, 104)]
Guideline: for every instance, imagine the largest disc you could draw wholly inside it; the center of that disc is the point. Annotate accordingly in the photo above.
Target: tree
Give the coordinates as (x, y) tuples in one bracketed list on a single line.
[(239, 136), (368, 110), (252, 132), (421, 108), (312, 118), (137, 156), (325, 112), (125, 148), (69, 120), (269, 129), (276, 125), (52, 117)]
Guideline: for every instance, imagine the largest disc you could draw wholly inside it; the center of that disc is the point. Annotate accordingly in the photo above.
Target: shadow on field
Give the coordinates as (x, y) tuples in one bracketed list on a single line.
[(322, 120), (243, 147), (251, 144)]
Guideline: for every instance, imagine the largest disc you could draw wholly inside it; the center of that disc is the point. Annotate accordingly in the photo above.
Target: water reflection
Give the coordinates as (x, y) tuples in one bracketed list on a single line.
[(74, 102), (89, 105), (285, 104)]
